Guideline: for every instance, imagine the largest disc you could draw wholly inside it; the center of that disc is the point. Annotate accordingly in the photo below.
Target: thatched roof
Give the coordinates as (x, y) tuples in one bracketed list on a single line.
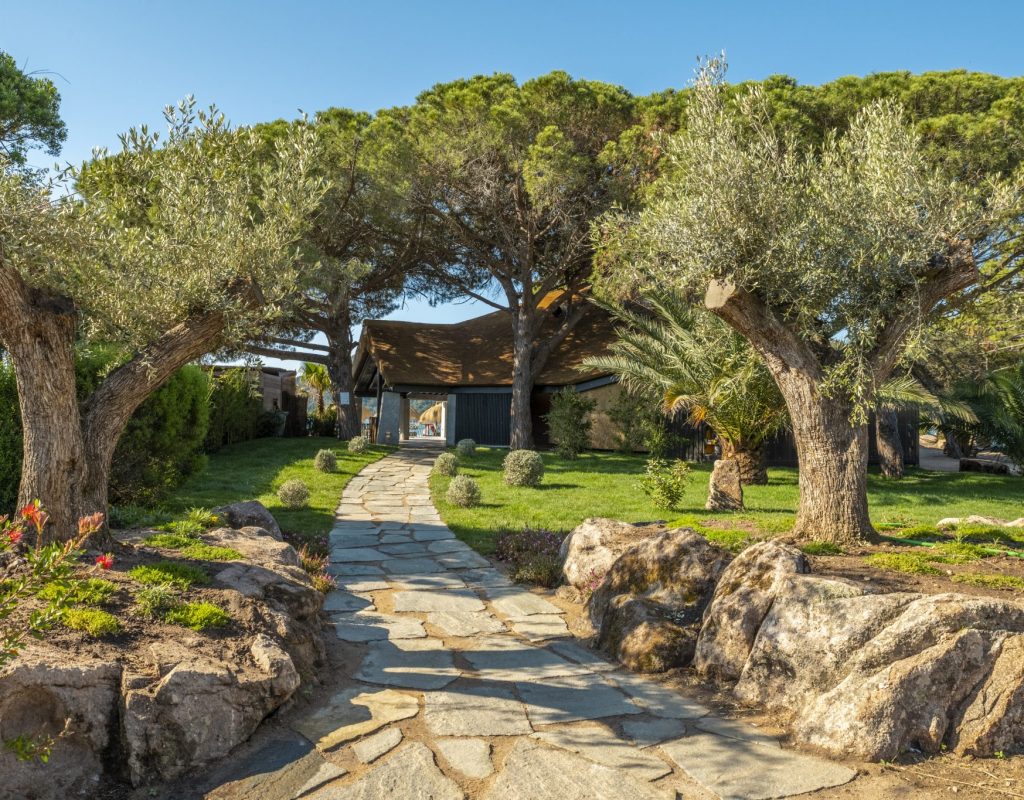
[(477, 352)]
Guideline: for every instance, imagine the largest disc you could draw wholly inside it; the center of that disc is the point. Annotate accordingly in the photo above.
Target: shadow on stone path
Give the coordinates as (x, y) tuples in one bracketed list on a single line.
[(471, 687)]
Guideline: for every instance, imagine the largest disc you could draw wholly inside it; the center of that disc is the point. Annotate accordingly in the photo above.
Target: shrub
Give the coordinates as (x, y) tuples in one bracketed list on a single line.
[(198, 616), (358, 444), (315, 565), (325, 423), (532, 554), (569, 422), (293, 493), (634, 416), (446, 464), (235, 407), (88, 592), (200, 551), (325, 461), (463, 492), (156, 600), (174, 572), (323, 582), (465, 448), (93, 621), (162, 443), (664, 482), (523, 468)]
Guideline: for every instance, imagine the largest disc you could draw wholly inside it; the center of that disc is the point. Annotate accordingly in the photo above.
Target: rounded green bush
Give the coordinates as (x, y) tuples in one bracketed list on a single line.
[(466, 448), (523, 468), (446, 464), (94, 622), (198, 616), (463, 492), (294, 494), (325, 461), (358, 444)]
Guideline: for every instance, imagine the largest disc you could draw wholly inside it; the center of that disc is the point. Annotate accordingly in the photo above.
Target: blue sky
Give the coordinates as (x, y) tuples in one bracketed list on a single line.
[(119, 63)]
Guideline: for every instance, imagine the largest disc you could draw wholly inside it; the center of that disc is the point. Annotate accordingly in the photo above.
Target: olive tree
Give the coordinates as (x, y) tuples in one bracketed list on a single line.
[(828, 260), (169, 252)]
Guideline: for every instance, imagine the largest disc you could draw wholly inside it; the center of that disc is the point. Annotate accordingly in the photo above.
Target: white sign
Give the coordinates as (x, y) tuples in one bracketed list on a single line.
[(343, 399)]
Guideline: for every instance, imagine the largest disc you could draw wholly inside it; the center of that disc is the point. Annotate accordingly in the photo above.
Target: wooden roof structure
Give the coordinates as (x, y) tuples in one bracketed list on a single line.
[(474, 353)]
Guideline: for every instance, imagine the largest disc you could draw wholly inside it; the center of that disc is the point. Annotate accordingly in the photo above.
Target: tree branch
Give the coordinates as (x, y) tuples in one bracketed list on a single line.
[(288, 355)]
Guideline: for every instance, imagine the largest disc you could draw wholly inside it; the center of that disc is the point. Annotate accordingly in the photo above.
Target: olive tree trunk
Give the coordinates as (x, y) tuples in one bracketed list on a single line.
[(889, 443)]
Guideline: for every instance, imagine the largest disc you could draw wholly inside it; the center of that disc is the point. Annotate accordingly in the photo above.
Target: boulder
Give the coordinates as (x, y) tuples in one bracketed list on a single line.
[(976, 519), (201, 708), (251, 513), (725, 488), (744, 594), (671, 577), (41, 695), (992, 721), (984, 465), (644, 637), (593, 546), (257, 544)]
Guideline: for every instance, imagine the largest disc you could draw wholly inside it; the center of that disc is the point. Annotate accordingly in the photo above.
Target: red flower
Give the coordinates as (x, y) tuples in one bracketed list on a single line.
[(34, 515), (90, 524), (105, 561), (14, 535)]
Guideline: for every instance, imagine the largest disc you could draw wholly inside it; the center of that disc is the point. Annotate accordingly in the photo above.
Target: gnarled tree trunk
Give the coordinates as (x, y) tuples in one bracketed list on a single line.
[(889, 443)]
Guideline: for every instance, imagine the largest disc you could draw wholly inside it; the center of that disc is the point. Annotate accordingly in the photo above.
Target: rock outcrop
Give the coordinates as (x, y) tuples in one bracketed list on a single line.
[(249, 514), (725, 489), (176, 704), (594, 545), (651, 602)]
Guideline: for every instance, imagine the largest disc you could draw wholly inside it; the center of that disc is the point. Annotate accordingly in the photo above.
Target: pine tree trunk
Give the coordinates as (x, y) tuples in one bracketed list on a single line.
[(890, 446), (522, 381), (339, 340), (753, 465)]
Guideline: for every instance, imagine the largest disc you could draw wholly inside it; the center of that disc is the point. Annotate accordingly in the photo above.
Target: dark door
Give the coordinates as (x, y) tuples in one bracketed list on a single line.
[(484, 418)]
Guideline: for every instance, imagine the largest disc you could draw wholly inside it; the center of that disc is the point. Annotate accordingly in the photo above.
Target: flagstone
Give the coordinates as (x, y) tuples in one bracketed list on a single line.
[(409, 663)]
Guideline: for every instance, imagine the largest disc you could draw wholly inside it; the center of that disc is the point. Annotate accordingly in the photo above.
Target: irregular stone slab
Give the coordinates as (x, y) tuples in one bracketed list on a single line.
[(409, 548), (439, 580), (373, 747), (283, 768), (461, 623), (595, 742), (348, 570), (517, 603), (346, 601), (735, 729), (367, 626), (657, 699), (422, 533), (744, 594), (506, 659), (395, 538), (363, 585), (535, 772), (648, 731), (349, 555), (412, 766), (540, 627), (581, 655), (409, 663), (572, 698), (746, 771), (411, 566), (475, 710), (343, 541), (471, 757), (447, 546), (355, 712), (469, 559), (451, 600), (486, 579)]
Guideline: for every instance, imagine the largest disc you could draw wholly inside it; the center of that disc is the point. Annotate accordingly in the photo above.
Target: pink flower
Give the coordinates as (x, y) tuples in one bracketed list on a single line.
[(14, 535), (105, 561)]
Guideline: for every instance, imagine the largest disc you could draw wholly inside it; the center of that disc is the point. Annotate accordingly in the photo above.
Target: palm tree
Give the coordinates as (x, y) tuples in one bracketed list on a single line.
[(318, 381), (697, 364)]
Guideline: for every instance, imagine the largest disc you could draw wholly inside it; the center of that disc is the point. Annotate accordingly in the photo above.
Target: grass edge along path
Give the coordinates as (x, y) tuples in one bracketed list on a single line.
[(254, 470)]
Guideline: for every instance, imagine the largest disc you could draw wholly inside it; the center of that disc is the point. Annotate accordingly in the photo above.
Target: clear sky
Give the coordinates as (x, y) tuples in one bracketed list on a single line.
[(118, 63)]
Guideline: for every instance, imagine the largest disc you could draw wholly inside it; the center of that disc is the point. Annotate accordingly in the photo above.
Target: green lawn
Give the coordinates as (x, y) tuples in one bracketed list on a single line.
[(254, 470), (604, 485)]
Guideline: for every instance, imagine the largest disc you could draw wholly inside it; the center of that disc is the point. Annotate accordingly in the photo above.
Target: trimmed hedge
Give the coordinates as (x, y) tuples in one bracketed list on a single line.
[(236, 410)]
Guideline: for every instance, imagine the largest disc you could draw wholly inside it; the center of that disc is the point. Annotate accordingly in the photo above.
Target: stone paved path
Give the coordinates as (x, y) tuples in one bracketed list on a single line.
[(466, 686)]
